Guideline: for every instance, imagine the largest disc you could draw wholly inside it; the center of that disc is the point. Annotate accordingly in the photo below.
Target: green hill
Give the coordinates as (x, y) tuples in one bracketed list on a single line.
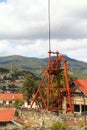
[(37, 65)]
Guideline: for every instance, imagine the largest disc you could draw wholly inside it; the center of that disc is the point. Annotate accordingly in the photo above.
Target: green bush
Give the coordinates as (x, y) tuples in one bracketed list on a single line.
[(59, 126), (18, 103)]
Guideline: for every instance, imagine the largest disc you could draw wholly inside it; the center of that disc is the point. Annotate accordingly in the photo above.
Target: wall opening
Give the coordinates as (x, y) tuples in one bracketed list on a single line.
[(84, 108), (76, 108)]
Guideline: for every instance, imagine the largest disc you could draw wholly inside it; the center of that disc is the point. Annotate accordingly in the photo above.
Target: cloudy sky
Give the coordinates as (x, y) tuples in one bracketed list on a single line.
[(24, 28)]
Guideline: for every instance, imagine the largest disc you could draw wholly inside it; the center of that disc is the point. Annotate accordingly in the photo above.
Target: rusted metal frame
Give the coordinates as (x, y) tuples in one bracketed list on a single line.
[(37, 92), (43, 100), (54, 68), (60, 96), (54, 89), (58, 88), (68, 96), (48, 91), (51, 107)]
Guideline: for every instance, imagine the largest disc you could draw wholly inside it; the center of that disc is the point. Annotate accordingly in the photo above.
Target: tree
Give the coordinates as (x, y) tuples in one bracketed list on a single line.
[(28, 87)]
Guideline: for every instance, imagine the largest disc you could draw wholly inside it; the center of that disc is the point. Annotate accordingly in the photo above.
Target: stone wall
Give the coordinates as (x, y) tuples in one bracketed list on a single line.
[(38, 117)]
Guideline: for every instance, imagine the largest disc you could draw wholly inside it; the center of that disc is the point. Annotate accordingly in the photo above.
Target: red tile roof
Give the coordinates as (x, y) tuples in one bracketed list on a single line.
[(82, 84), (10, 96), (7, 115)]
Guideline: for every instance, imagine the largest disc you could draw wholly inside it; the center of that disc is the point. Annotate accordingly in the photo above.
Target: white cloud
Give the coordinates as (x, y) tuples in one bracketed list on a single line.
[(19, 18), (28, 19), (73, 48), (24, 28)]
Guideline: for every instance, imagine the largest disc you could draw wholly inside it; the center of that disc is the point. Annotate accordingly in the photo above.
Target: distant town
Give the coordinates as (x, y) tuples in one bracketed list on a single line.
[(11, 80)]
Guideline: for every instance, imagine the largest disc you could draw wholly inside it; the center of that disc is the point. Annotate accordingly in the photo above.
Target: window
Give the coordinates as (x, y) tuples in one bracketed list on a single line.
[(76, 108), (84, 108)]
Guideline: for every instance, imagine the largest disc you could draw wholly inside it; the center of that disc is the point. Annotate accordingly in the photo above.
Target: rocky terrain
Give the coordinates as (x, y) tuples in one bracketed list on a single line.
[(42, 120)]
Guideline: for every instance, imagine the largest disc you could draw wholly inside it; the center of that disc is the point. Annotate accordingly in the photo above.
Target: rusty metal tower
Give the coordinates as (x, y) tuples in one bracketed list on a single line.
[(51, 91), (54, 85)]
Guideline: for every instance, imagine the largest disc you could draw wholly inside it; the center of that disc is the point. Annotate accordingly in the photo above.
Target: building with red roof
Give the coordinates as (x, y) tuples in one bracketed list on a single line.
[(78, 90), (9, 98), (7, 115), (82, 85), (79, 98), (7, 118)]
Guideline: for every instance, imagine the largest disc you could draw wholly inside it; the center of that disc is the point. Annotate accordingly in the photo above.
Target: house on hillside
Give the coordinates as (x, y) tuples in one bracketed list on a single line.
[(9, 98), (7, 118), (79, 95)]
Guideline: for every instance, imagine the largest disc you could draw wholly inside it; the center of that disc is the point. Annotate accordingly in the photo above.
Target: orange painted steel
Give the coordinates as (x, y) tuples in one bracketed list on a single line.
[(50, 93)]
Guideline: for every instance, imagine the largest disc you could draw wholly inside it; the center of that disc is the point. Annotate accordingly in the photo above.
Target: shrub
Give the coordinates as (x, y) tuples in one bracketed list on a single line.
[(59, 126), (18, 103)]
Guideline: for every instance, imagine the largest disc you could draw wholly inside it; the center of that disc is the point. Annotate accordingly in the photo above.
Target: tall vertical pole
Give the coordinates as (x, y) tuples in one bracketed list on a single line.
[(49, 36), (49, 23)]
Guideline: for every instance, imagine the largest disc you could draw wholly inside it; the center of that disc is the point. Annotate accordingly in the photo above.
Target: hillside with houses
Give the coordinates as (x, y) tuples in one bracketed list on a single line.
[(17, 91)]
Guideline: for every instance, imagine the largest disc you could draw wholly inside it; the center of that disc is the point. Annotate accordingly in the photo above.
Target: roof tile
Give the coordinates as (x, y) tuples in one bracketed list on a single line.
[(82, 84), (10, 96), (7, 115)]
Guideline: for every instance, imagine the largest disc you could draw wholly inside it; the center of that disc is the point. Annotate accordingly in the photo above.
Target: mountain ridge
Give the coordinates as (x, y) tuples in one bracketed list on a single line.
[(33, 64)]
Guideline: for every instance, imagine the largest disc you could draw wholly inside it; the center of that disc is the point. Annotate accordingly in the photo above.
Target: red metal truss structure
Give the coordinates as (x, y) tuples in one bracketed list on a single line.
[(54, 85)]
